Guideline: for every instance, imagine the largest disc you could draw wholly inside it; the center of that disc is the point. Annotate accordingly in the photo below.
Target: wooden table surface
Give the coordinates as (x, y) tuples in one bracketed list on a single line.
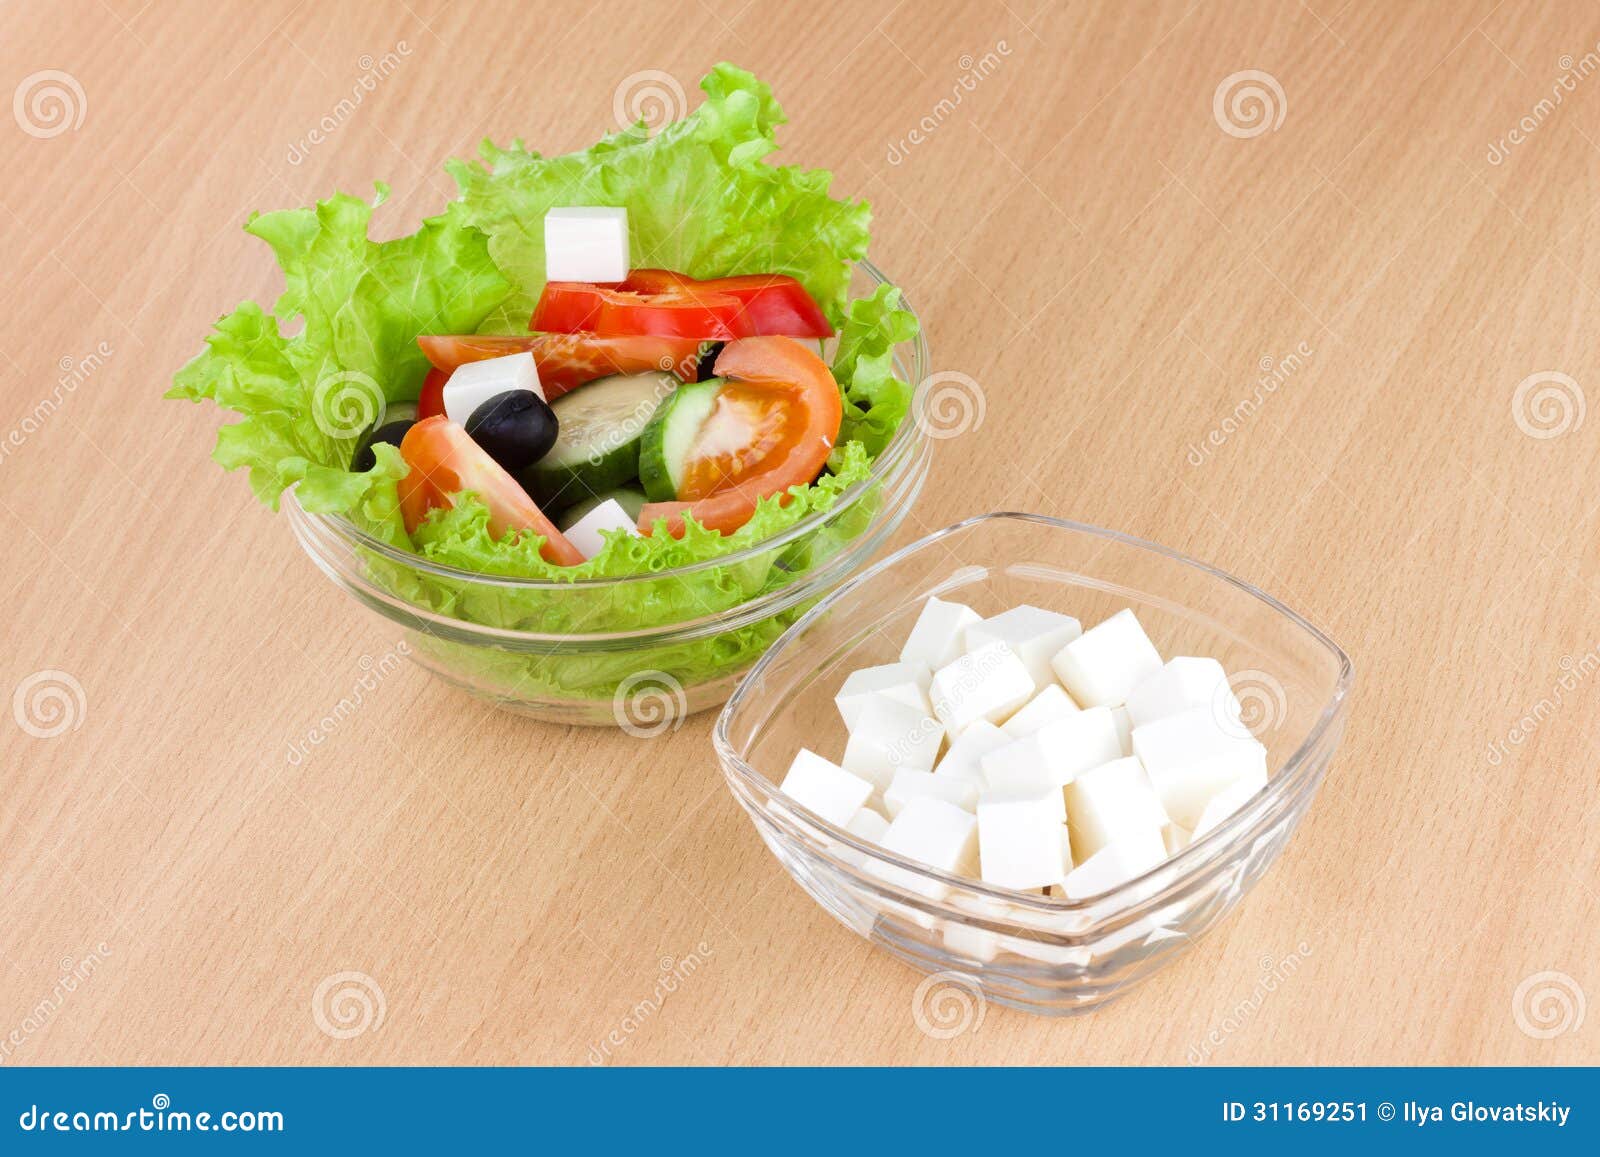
[(1399, 236)]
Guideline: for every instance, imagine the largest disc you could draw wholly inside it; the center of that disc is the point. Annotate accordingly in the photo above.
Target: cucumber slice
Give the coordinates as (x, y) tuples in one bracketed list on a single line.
[(597, 449), (670, 436), (630, 498)]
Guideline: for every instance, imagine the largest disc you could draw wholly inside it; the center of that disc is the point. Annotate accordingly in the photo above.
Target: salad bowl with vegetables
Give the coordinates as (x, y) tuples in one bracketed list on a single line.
[(595, 435)]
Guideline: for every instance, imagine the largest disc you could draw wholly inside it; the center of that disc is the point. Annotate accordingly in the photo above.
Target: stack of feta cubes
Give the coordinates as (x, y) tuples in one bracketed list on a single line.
[(1032, 754)]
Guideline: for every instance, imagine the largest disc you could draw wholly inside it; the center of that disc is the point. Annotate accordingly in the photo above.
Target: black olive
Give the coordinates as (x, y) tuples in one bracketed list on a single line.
[(515, 428), (708, 360), (390, 432)]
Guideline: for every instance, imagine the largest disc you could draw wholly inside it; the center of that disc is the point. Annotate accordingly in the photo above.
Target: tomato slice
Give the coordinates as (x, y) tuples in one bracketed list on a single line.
[(430, 402), (565, 360), (785, 401), (445, 461), (773, 303), (679, 311)]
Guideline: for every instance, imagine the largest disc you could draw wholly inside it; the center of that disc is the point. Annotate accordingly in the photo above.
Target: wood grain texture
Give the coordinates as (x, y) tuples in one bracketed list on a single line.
[(1085, 240)]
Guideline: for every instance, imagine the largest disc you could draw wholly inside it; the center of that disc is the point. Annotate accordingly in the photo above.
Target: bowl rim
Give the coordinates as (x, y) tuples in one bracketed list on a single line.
[(907, 437), (1182, 868)]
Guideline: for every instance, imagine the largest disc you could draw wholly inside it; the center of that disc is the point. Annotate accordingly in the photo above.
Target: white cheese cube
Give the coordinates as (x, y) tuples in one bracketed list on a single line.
[(1020, 841), (1107, 661), (1031, 634), (939, 636), (1124, 725), (1190, 759), (904, 682), (586, 243), (932, 832), (1177, 837), (889, 736), (1111, 802), (960, 760), (906, 784), (974, 943), (1226, 802), (988, 683), (868, 825), (1055, 754), (474, 383), (1114, 865), (609, 515), (1046, 707), (824, 787), (1185, 682)]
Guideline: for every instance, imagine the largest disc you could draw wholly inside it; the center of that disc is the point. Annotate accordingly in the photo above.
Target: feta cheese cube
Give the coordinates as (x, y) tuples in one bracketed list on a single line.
[(960, 760), (1107, 661), (1020, 841), (586, 243), (1110, 802), (1115, 864), (889, 736), (1031, 634), (1176, 837), (1124, 725), (1056, 753), (933, 832), (1226, 802), (974, 943), (1190, 759), (1046, 707), (906, 784), (988, 683), (868, 825), (939, 636), (905, 682), (824, 787), (1185, 682), (609, 515), (473, 384)]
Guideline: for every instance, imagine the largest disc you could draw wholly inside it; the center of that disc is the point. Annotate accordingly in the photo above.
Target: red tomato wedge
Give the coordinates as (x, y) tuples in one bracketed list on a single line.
[(678, 311), (784, 397), (565, 360), (430, 402), (772, 303), (445, 461)]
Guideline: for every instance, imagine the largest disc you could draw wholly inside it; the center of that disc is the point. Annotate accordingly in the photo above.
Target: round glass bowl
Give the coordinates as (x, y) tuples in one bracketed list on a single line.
[(1029, 950), (639, 652)]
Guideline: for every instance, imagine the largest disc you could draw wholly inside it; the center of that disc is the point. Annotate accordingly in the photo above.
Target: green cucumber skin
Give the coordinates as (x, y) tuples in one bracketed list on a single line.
[(571, 473), (658, 472)]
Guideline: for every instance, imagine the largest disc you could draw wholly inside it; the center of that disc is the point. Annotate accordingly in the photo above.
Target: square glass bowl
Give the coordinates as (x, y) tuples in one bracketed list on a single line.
[(1026, 949)]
